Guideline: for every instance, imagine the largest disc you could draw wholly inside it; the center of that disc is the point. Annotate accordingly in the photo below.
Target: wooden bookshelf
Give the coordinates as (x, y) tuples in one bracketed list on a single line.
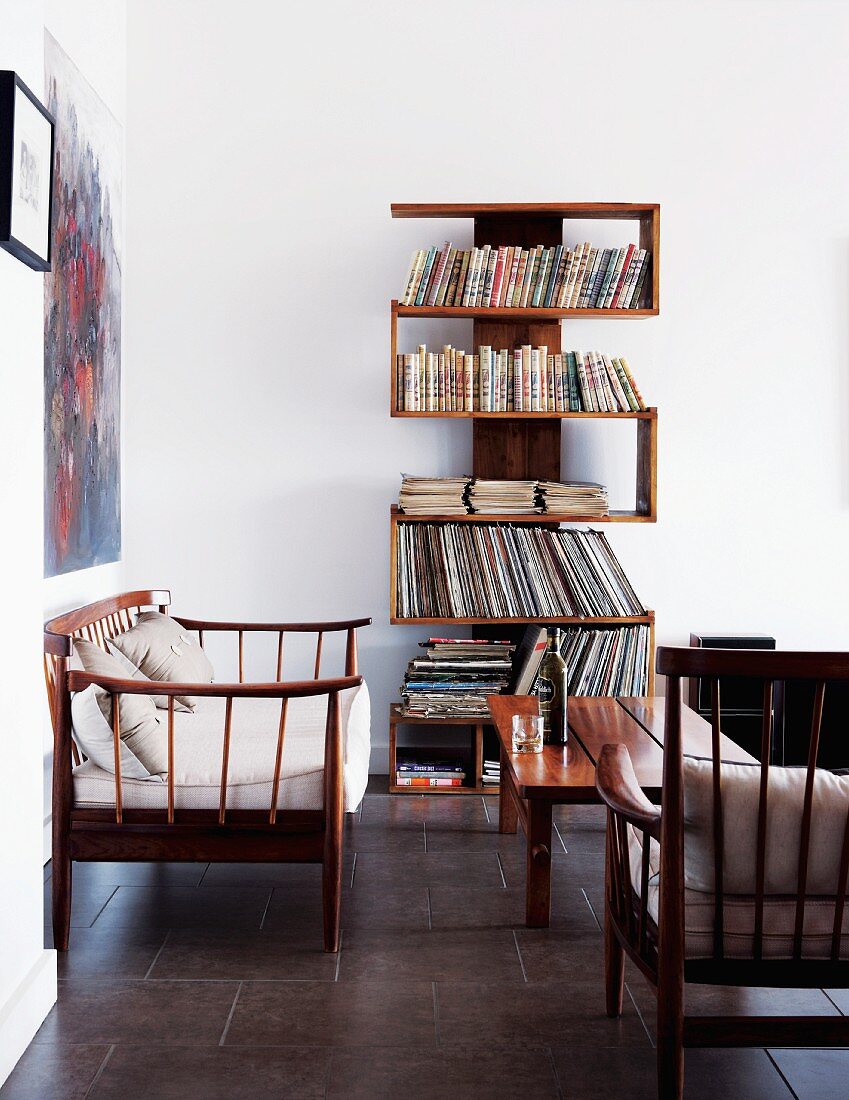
[(474, 753), (527, 445)]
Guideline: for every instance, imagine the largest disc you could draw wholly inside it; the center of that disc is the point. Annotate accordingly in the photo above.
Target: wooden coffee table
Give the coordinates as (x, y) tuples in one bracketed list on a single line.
[(531, 784)]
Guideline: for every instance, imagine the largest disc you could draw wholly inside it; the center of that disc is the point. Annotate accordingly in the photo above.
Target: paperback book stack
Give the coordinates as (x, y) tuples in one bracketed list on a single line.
[(505, 498), (430, 773), (495, 571), (491, 773), (501, 276), (453, 677), (599, 661), (575, 498), (428, 496), (524, 379)]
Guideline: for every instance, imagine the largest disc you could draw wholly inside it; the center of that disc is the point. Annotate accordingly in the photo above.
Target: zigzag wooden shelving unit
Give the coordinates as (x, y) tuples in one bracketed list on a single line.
[(527, 445)]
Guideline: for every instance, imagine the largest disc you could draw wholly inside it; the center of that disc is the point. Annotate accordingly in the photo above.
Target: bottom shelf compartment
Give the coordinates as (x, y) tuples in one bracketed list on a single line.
[(434, 742)]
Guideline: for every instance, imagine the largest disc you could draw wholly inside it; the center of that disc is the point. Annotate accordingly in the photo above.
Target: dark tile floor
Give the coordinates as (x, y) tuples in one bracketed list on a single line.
[(209, 981)]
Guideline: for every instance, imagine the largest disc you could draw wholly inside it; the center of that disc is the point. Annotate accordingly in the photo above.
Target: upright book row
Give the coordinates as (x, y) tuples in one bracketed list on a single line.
[(526, 379), (510, 277)]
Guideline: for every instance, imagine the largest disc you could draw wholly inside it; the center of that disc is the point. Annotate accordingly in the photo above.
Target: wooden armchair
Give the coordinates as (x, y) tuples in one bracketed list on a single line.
[(85, 830), (739, 878)]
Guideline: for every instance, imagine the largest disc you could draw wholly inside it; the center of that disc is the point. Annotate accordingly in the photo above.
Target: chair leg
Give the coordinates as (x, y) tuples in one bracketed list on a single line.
[(670, 1068), (60, 881), (614, 967), (331, 889)]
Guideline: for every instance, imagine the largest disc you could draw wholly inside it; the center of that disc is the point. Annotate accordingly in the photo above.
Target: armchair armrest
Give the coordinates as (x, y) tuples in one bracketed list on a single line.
[(78, 681), (617, 784)]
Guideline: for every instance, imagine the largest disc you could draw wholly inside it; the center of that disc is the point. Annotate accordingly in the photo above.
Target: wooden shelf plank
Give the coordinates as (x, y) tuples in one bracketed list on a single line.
[(615, 516), (482, 313), (396, 716), (649, 414), (599, 210)]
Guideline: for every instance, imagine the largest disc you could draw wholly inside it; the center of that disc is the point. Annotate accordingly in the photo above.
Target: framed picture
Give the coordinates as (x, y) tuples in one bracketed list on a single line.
[(26, 173)]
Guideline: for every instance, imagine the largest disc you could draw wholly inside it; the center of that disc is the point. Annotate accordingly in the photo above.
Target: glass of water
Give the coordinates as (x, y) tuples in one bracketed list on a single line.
[(527, 733)]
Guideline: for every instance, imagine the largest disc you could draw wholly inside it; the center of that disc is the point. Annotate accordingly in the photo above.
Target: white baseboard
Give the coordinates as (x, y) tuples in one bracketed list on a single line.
[(24, 1012), (48, 837)]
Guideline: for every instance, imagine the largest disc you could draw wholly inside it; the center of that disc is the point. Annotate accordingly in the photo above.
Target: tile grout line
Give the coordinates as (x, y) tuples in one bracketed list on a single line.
[(100, 910), (203, 876), (100, 1070), (590, 905), (501, 871), (265, 910), (558, 1086), (328, 1072), (424, 828), (156, 956), (519, 953), (560, 838), (640, 1016), (790, 1088), (836, 1005), (429, 911), (486, 811), (353, 870), (436, 1013), (230, 1015), (339, 955)]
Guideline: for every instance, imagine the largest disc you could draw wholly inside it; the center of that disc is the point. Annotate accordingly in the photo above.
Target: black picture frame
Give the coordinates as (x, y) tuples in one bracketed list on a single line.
[(10, 83)]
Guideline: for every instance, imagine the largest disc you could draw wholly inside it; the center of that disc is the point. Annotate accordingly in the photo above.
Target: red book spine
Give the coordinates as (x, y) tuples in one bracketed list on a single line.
[(498, 275)]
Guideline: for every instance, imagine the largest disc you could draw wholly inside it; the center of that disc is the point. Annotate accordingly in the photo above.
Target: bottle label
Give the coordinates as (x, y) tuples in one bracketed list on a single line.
[(545, 690)]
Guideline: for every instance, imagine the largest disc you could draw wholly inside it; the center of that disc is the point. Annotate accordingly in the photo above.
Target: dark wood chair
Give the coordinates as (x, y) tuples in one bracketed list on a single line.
[(220, 834), (796, 938)]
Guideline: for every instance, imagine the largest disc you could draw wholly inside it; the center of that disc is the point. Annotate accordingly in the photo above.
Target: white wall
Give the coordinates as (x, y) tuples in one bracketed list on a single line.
[(266, 143), (27, 971), (93, 33)]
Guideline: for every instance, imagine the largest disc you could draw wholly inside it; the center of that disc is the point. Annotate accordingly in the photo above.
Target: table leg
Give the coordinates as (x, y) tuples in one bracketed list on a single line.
[(507, 817), (538, 889)]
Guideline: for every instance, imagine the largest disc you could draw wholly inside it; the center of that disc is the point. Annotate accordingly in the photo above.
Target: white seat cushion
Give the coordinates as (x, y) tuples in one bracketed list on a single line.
[(198, 744)]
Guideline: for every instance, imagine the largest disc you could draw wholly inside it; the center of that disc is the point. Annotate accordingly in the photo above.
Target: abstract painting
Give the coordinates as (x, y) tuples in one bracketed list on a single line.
[(82, 327)]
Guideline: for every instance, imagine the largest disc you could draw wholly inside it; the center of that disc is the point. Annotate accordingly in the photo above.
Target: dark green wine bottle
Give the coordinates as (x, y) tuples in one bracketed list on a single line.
[(551, 689)]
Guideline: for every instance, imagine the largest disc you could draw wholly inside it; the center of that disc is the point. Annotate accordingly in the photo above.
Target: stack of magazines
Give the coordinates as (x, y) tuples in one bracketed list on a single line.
[(504, 498), (576, 498), (491, 773), (494, 571), (427, 496), (453, 677)]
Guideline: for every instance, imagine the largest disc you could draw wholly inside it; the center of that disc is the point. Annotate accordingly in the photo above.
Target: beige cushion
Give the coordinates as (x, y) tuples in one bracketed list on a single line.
[(144, 744), (198, 743), (785, 803), (161, 649)]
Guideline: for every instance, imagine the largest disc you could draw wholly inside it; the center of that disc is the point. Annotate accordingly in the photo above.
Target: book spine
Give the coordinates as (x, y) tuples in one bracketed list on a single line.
[(514, 271), (574, 389), (485, 356), (560, 274), (628, 284), (542, 276), (600, 383), (614, 282), (411, 274), (598, 278), (535, 381), (483, 267), (641, 279), (548, 297), (558, 384), (543, 378), (615, 385), (474, 260), (634, 387), (623, 274), (448, 274), (587, 399), (410, 375), (438, 273), (442, 384), (524, 256), (579, 277), (468, 381), (518, 386), (498, 276), (457, 297), (608, 276), (592, 260), (421, 293), (511, 382), (633, 403), (423, 781), (569, 278), (526, 378), (489, 279), (531, 268), (476, 382)]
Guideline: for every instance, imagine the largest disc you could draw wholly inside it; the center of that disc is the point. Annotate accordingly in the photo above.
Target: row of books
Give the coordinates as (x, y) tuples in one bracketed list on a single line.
[(456, 570), (599, 661), (430, 773), (453, 677), (526, 379), (505, 276), (454, 496), (491, 773)]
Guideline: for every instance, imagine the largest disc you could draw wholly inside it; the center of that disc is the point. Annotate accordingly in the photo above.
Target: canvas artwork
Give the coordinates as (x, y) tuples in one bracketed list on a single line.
[(82, 328)]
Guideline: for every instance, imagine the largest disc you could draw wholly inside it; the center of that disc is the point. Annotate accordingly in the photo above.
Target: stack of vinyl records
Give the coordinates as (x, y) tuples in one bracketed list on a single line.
[(599, 660), (492, 571), (574, 498), (453, 677), (504, 498), (429, 496)]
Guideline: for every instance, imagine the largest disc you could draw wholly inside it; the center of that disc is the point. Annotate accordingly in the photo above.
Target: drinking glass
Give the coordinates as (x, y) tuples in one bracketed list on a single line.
[(527, 733)]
